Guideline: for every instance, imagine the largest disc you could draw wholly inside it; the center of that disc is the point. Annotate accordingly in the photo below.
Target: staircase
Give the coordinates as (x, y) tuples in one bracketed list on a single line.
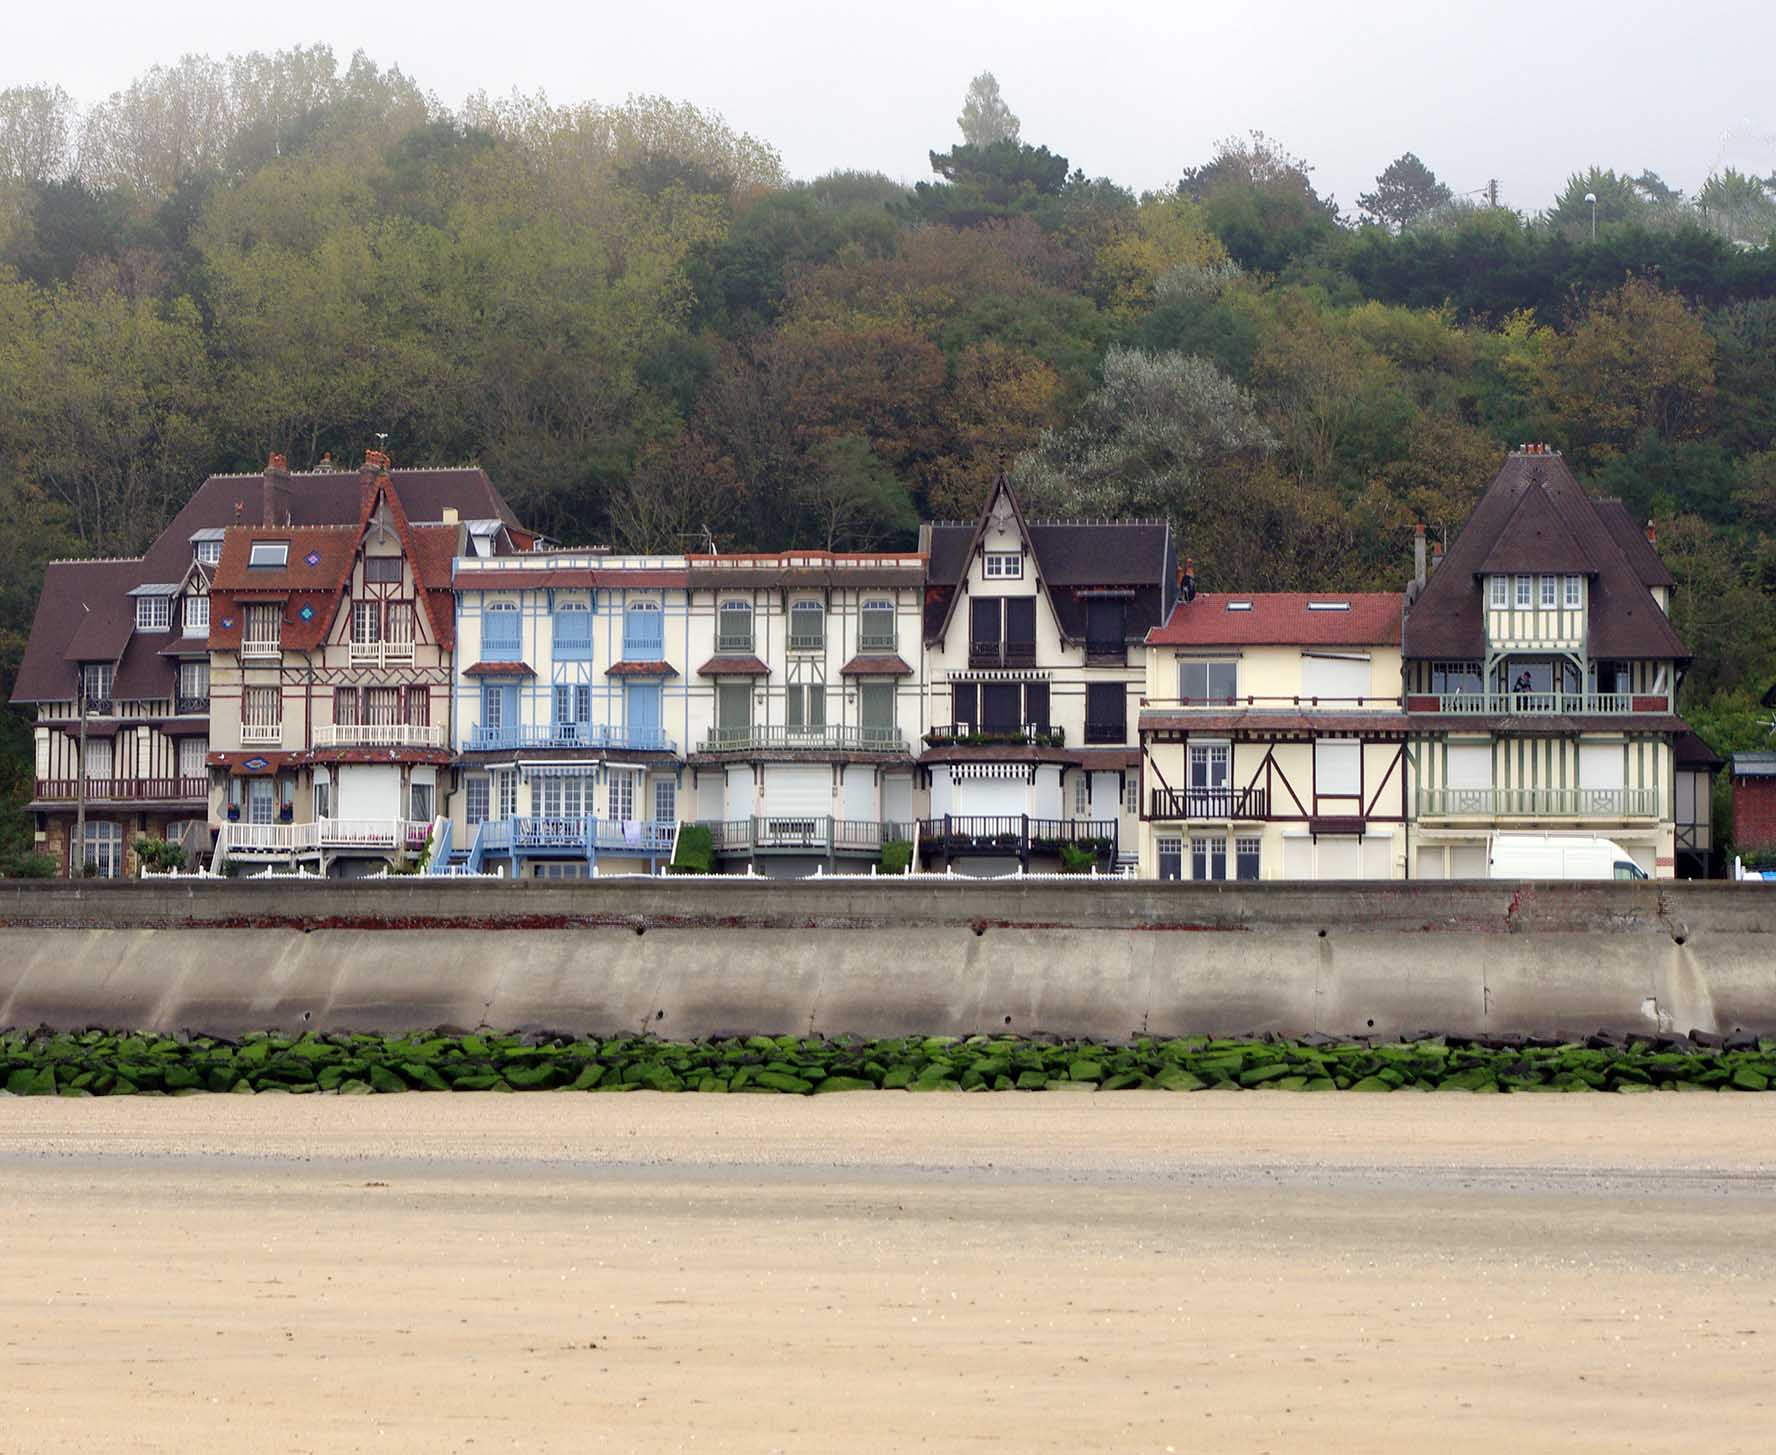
[(478, 851), (441, 847)]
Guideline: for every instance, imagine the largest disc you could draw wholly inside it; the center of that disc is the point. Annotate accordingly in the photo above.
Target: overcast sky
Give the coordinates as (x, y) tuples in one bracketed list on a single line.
[(1525, 92)]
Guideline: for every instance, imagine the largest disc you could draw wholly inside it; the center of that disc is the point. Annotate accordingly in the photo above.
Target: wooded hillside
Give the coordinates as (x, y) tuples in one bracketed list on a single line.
[(650, 335)]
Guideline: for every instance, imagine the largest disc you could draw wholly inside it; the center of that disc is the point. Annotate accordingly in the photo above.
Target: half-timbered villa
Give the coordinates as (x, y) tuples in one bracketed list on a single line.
[(1273, 739), (1541, 677), (1034, 667)]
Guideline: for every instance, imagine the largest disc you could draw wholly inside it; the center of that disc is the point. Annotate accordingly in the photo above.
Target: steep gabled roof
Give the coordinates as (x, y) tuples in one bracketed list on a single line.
[(1535, 538), (1448, 618), (1634, 544), (1069, 557)]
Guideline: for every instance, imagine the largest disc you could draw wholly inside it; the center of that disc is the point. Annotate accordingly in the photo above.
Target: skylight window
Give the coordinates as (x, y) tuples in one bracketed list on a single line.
[(269, 553), (1328, 606), (1239, 606)]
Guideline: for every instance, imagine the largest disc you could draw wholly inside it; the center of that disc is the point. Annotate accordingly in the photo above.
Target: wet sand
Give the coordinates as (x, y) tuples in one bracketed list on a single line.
[(1019, 1273)]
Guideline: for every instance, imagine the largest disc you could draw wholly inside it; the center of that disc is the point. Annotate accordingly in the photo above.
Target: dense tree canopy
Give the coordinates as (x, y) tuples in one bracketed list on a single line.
[(651, 336)]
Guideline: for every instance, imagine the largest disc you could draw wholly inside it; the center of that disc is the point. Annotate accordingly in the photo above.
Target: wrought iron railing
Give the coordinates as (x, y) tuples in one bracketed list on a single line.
[(825, 738), (570, 735), (1212, 803)]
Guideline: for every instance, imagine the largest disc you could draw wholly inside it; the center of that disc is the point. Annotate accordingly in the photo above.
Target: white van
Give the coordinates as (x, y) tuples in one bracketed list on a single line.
[(1558, 856)]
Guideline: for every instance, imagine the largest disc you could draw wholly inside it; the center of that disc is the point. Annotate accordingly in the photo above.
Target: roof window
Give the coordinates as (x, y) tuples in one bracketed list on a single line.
[(1239, 606), (1328, 606), (269, 553)]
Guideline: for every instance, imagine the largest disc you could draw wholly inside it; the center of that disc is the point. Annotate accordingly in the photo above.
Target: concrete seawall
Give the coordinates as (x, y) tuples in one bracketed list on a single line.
[(696, 957)]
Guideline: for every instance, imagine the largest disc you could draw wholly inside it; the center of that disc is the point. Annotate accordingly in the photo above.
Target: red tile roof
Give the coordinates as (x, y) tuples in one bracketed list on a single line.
[(882, 665), (641, 669), (733, 667), (499, 669), (1283, 618)]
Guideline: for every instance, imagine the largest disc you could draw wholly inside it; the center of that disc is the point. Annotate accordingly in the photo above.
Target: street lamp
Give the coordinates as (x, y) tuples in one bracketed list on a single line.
[(1591, 197)]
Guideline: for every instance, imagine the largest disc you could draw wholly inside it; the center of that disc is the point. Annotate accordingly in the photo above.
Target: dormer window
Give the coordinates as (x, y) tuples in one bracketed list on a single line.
[(1004, 566), (153, 613), (274, 554), (197, 616), (382, 570), (208, 552)]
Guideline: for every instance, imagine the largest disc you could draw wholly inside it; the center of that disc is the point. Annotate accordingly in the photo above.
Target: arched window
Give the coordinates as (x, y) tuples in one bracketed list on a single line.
[(876, 632), (644, 632), (733, 632), (573, 630), (501, 639), (807, 626)]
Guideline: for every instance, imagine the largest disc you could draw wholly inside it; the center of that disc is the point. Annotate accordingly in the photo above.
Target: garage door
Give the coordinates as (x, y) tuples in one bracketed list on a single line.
[(992, 797), (798, 792), (369, 792), (1339, 858)]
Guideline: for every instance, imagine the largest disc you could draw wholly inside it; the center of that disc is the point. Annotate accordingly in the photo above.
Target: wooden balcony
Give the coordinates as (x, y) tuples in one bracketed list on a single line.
[(125, 790), (817, 834), (1014, 836), (1538, 803), (379, 735), (1538, 704), (1226, 804), (819, 737)]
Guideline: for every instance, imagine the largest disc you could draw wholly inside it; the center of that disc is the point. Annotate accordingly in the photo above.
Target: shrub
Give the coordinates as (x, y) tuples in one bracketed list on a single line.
[(897, 856), (1076, 860), (695, 853), (159, 855)]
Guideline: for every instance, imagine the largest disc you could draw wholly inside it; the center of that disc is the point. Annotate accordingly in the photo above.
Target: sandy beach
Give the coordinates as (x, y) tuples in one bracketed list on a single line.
[(1035, 1273)]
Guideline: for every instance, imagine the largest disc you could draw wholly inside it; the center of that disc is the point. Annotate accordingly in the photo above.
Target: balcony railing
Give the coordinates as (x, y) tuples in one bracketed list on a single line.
[(381, 654), (575, 836), (125, 790), (970, 735), (262, 732), (733, 644), (809, 833), (1014, 835), (993, 654), (1210, 803), (803, 642), (327, 833), (1106, 654), (824, 738), (571, 735), (261, 647), (1538, 704), (1601, 803), (878, 642), (191, 706), (379, 735), (1106, 729)]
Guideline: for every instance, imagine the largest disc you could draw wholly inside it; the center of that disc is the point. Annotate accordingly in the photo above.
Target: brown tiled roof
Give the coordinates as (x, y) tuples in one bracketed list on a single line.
[(1635, 546), (1690, 751), (236, 762), (499, 669), (641, 669), (1447, 619), (1535, 539), (889, 665), (378, 755), (733, 667), (1282, 618), (316, 498), (1068, 555)]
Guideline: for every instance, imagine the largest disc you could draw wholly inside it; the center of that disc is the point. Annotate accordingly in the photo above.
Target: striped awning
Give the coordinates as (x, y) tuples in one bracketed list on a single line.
[(988, 770)]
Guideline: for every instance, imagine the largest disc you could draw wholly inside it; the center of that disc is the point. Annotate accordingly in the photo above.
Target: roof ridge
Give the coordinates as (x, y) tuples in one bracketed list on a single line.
[(94, 560)]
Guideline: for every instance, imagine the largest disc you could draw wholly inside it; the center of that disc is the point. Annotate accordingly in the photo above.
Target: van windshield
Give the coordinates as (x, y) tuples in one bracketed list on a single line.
[(1628, 869)]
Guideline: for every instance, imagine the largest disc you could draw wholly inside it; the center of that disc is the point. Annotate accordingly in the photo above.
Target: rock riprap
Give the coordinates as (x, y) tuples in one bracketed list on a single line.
[(116, 1063)]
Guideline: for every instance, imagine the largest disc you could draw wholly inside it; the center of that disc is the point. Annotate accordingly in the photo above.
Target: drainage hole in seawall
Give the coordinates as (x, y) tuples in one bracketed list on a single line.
[(1371, 1025), (1008, 1020), (1678, 939), (660, 1015), (979, 930), (641, 929), (1322, 934)]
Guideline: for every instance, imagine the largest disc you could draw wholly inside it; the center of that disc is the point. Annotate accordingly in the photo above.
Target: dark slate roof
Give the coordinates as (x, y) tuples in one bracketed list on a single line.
[(1634, 544), (1690, 750), (1071, 557), (73, 591), (1447, 619), (1535, 539)]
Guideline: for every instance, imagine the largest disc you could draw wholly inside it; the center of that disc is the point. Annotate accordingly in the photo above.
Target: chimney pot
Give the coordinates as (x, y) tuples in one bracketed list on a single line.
[(1652, 534), (275, 509)]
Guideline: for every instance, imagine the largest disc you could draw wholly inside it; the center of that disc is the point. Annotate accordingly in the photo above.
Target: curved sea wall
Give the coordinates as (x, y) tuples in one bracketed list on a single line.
[(697, 957)]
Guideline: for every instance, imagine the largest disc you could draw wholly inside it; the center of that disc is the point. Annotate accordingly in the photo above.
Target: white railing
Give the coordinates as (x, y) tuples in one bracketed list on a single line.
[(261, 647), (1544, 704), (262, 732), (1538, 803), (326, 833), (379, 735), (381, 654)]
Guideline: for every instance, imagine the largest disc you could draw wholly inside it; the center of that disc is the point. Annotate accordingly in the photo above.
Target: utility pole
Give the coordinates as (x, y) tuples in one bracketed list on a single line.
[(79, 846), (1492, 192)]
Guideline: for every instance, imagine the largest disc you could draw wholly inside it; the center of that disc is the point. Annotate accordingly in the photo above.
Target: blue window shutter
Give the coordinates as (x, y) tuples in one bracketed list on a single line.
[(644, 705)]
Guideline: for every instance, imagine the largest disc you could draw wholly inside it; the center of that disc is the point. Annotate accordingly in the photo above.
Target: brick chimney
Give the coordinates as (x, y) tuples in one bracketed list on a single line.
[(1418, 554), (277, 492), (1187, 581)]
